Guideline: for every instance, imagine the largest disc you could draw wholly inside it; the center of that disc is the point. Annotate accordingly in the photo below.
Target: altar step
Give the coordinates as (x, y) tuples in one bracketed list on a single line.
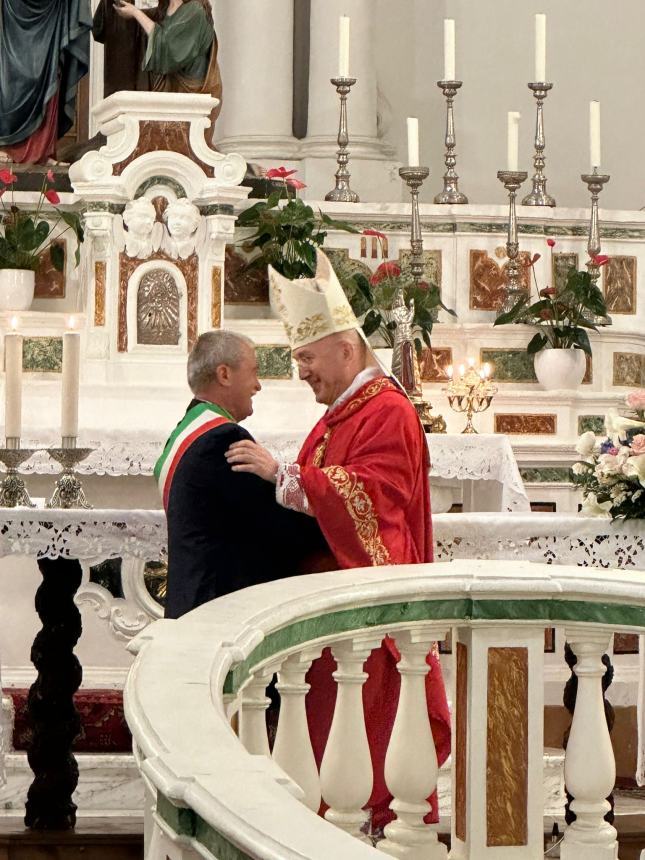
[(93, 839)]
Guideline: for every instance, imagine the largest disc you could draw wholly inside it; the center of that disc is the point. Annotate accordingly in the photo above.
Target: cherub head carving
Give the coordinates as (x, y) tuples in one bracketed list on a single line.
[(183, 220), (139, 217)]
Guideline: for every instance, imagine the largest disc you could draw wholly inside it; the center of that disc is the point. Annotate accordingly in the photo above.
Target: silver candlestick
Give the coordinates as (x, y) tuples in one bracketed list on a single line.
[(342, 193), (13, 492), (69, 491), (451, 192), (512, 180), (414, 177), (539, 196), (594, 182)]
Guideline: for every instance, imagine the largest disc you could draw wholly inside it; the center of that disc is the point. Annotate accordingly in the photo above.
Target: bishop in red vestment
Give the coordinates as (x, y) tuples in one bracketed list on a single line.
[(363, 473)]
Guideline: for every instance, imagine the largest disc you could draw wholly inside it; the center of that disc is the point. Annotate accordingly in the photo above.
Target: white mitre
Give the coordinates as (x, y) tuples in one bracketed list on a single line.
[(311, 308)]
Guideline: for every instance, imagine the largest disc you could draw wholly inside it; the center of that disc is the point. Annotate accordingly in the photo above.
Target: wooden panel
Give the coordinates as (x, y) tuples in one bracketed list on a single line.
[(461, 741), (507, 747)]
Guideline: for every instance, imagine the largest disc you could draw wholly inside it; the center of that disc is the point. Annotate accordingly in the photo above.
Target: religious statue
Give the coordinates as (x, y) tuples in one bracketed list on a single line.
[(183, 220), (405, 365), (181, 51), (44, 53), (143, 232)]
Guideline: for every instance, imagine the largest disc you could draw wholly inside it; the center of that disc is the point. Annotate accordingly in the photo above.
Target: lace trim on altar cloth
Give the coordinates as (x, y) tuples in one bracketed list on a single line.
[(289, 491)]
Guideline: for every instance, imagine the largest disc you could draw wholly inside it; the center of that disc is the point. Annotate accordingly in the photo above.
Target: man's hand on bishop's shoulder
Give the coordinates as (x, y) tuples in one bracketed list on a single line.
[(247, 456)]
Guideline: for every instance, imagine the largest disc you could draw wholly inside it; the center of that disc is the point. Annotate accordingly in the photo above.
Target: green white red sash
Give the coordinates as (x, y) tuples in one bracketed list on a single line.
[(197, 421)]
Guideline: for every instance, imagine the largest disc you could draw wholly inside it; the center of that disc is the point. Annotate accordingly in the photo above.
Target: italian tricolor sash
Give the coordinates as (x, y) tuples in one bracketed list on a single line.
[(197, 421)]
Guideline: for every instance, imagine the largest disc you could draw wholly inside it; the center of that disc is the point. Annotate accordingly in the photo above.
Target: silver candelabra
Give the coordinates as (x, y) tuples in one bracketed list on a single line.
[(342, 193), (451, 192), (13, 492), (595, 182), (415, 177), (538, 195), (512, 180), (69, 491)]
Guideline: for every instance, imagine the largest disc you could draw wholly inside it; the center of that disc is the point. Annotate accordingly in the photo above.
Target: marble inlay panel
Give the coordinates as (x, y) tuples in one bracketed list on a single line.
[(595, 423), (49, 282), (619, 281), (242, 285), (434, 362), (546, 475), (507, 747), (99, 293), (345, 266), (274, 362), (626, 643), (562, 264), (629, 369), (216, 297), (509, 365), (431, 265), (461, 741), (522, 424), (488, 280), (42, 354), (587, 379)]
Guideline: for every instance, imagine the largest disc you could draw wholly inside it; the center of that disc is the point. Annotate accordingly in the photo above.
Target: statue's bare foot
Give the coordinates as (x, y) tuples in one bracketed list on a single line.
[(4, 157)]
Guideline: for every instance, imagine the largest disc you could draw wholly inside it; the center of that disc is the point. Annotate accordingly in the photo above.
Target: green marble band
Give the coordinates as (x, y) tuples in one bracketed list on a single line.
[(186, 822)]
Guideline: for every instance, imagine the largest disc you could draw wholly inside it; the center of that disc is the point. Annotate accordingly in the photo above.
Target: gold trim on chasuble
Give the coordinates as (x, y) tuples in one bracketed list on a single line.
[(361, 510), (374, 388), (319, 454)]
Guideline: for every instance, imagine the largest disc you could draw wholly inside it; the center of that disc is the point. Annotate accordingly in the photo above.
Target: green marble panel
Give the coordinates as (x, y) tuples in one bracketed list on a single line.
[(500, 227), (510, 365), (595, 423), (546, 475), (274, 362), (42, 354)]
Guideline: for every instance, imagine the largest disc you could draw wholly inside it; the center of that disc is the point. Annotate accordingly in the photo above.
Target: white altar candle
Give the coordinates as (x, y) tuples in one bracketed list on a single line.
[(413, 141), (449, 49), (513, 140), (540, 48), (343, 46), (71, 372), (13, 382), (594, 134), (449, 371)]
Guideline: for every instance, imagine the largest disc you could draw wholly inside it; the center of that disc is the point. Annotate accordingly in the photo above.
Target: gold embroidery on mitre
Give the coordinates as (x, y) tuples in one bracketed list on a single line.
[(344, 315), (312, 326), (319, 454), (361, 509)]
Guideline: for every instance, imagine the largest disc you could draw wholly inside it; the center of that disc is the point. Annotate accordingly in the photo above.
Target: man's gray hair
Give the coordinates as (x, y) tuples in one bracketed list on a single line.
[(212, 349)]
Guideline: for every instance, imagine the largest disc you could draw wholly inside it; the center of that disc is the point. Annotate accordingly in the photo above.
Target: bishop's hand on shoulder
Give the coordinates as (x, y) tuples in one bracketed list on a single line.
[(248, 456)]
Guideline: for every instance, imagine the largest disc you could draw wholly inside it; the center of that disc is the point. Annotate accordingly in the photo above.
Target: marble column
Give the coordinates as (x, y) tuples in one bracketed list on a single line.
[(256, 61)]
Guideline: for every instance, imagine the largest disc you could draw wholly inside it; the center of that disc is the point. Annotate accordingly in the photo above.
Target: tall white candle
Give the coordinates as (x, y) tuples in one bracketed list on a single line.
[(449, 49), (413, 141), (71, 373), (513, 140), (343, 46), (13, 384), (594, 134), (540, 48)]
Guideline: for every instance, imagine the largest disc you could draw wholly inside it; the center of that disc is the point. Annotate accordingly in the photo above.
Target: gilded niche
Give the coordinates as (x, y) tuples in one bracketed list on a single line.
[(158, 309)]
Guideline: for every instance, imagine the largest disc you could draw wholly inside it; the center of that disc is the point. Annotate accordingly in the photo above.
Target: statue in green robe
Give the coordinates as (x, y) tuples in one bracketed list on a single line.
[(44, 52)]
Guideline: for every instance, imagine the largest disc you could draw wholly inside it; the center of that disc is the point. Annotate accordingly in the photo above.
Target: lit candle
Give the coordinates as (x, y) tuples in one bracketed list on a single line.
[(513, 140), (413, 141), (594, 134), (471, 362), (343, 46), (487, 369), (71, 373), (449, 49), (13, 382), (462, 370), (540, 48), (449, 371)]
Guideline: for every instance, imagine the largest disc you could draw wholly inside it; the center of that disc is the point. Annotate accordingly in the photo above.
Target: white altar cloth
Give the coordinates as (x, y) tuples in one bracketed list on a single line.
[(483, 463)]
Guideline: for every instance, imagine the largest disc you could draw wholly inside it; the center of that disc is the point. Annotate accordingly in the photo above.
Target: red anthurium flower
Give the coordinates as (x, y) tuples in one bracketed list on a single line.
[(376, 233), (7, 177), (423, 285), (279, 173), (52, 196), (547, 291), (534, 259), (385, 270), (50, 176), (551, 243), (546, 314), (296, 183), (599, 259)]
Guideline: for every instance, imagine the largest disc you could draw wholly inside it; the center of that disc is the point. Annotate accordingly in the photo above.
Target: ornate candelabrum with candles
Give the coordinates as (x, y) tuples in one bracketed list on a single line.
[(342, 192), (538, 195), (405, 363), (470, 392), (512, 180), (451, 192), (595, 182)]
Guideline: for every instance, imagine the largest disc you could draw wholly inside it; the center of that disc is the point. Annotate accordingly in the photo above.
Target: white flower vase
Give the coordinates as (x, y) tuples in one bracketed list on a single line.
[(559, 368), (16, 289)]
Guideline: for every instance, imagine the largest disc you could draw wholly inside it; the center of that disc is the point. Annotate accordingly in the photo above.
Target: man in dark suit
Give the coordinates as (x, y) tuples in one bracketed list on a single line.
[(225, 529)]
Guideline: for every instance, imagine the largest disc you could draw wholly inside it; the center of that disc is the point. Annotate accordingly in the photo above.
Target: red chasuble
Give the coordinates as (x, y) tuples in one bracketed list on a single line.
[(364, 468)]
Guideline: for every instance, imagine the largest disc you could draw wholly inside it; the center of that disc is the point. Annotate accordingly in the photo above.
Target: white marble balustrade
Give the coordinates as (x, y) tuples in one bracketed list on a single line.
[(191, 676)]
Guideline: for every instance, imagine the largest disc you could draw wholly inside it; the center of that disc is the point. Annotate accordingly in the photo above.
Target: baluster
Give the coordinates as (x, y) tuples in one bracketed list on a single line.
[(292, 749), (411, 768), (589, 766), (346, 768), (253, 725)]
